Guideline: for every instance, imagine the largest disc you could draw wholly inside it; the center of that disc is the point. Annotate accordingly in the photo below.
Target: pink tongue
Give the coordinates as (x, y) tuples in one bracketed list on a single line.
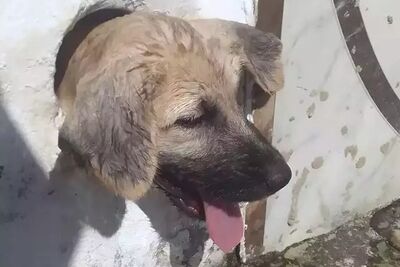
[(225, 224)]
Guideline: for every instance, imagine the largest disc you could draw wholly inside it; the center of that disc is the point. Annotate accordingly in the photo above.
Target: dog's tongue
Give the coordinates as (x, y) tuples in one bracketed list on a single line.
[(225, 224)]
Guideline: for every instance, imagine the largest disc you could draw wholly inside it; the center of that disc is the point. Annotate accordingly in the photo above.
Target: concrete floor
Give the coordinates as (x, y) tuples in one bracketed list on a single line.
[(373, 240)]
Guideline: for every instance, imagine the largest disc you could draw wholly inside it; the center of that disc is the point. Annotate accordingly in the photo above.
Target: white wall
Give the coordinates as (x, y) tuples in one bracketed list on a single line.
[(346, 156), (52, 220)]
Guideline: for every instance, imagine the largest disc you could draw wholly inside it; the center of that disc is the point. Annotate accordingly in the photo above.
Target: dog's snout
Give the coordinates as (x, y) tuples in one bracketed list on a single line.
[(278, 176), (275, 171)]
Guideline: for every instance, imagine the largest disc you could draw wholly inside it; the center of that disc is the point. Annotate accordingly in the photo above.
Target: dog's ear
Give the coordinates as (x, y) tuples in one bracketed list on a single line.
[(111, 127), (262, 52), (258, 52)]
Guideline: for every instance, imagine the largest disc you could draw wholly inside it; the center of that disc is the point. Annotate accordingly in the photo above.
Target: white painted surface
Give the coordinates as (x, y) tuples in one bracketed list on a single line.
[(382, 21), (329, 187), (52, 220), (237, 10)]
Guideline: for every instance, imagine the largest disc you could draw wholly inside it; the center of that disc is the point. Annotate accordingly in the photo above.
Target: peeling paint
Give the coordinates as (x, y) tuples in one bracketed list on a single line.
[(387, 147), (295, 196), (344, 130), (310, 111), (317, 163), (389, 19), (361, 162), (351, 150), (323, 96)]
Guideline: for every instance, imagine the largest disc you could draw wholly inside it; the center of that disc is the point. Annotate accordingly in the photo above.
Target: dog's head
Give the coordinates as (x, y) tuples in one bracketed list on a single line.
[(206, 144), (168, 101)]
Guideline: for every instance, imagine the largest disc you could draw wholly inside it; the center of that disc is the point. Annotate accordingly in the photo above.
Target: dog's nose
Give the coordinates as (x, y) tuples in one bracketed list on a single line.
[(279, 176)]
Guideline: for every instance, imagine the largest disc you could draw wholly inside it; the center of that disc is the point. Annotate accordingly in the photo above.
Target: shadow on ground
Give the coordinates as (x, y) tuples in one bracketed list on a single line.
[(42, 214), (186, 237)]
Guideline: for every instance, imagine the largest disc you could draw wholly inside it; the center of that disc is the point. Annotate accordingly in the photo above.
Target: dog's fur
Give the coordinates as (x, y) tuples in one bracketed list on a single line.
[(149, 95)]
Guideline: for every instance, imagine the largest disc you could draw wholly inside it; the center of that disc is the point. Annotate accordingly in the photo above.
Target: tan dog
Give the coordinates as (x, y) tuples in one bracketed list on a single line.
[(152, 97)]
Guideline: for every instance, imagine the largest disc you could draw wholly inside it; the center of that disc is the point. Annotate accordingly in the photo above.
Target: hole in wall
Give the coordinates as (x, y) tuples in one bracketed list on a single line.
[(74, 37)]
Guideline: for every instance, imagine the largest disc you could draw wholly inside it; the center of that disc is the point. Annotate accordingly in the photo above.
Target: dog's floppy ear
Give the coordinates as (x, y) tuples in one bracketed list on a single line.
[(111, 127), (262, 52), (258, 52)]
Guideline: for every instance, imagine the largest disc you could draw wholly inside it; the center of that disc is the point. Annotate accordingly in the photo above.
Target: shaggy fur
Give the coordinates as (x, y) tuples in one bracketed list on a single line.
[(149, 95)]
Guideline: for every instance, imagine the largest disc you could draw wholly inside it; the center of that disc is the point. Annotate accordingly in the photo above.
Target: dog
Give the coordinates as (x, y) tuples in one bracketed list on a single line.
[(153, 99)]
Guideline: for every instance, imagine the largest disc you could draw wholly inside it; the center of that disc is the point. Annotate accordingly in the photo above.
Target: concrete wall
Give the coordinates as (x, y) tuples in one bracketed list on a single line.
[(59, 218)]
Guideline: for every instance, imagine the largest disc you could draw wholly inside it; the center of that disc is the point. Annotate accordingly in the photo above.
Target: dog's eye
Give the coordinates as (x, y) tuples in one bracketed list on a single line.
[(188, 122)]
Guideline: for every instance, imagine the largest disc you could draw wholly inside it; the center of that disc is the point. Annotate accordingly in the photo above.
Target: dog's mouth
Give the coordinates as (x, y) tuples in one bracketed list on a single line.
[(223, 219)]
